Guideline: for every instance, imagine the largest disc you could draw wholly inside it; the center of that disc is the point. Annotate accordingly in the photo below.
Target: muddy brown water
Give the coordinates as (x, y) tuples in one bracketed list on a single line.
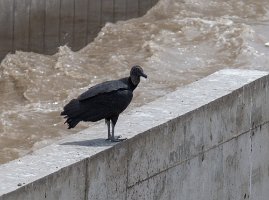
[(176, 42)]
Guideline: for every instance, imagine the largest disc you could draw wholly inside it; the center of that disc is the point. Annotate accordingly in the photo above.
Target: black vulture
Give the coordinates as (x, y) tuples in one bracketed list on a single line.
[(104, 101)]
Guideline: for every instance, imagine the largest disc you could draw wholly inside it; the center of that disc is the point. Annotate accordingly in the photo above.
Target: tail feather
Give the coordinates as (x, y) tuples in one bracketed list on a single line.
[(72, 122), (72, 112), (72, 108)]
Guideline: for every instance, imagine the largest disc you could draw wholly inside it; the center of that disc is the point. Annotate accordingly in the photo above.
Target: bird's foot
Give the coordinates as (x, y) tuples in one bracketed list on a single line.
[(116, 139)]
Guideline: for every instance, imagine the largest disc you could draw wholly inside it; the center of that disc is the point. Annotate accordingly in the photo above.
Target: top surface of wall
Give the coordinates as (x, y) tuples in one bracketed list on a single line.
[(89, 142)]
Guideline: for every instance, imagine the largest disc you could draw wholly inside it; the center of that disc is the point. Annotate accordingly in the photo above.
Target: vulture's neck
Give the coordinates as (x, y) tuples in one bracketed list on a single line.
[(133, 82)]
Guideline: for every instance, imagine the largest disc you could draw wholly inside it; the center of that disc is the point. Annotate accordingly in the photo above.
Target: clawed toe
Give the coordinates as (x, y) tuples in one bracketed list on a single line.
[(116, 139)]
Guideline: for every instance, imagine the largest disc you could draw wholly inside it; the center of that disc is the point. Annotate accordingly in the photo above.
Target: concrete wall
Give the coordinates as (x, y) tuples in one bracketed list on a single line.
[(43, 25), (207, 140)]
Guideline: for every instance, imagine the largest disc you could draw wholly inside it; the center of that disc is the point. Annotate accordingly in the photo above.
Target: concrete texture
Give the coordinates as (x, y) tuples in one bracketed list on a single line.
[(42, 26), (207, 140)]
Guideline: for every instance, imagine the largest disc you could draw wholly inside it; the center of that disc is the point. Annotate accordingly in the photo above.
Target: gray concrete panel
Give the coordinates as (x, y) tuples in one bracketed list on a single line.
[(94, 18), (120, 10), (64, 184), (6, 24), (21, 25), (52, 26), (132, 7), (80, 25), (107, 174), (37, 26), (67, 17), (107, 11), (259, 161)]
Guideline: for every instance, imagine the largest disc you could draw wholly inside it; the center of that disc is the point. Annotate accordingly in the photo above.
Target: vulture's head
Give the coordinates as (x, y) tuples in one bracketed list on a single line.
[(135, 74)]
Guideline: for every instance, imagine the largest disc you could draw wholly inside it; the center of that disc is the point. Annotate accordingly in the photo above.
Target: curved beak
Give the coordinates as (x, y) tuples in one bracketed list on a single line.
[(144, 75)]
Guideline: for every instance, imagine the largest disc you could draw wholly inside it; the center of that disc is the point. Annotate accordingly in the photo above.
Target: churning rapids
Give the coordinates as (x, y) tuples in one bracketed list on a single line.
[(176, 42)]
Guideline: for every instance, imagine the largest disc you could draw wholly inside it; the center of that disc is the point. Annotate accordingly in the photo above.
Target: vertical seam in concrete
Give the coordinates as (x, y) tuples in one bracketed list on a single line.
[(113, 12), (44, 27), (60, 23), (13, 26), (138, 8), (74, 24), (127, 172), (101, 14), (87, 23), (250, 155), (250, 165), (86, 179), (125, 9), (29, 25)]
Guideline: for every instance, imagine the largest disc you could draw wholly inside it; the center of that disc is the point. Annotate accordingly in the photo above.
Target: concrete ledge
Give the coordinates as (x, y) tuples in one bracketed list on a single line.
[(208, 140)]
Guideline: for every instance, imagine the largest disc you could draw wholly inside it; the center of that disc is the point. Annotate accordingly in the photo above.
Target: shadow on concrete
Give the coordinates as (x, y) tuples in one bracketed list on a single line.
[(89, 143)]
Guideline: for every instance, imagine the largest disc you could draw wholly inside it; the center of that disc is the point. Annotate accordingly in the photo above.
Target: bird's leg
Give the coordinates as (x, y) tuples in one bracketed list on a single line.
[(113, 137), (108, 128)]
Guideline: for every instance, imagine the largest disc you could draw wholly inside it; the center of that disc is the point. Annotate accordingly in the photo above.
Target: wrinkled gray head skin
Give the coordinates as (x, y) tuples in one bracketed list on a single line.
[(135, 74)]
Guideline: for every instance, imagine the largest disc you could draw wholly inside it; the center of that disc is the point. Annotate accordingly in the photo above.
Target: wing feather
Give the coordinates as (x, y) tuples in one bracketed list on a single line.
[(105, 87)]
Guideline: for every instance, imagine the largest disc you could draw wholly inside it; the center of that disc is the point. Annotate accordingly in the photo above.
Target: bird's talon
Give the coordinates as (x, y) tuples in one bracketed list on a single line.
[(117, 139)]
